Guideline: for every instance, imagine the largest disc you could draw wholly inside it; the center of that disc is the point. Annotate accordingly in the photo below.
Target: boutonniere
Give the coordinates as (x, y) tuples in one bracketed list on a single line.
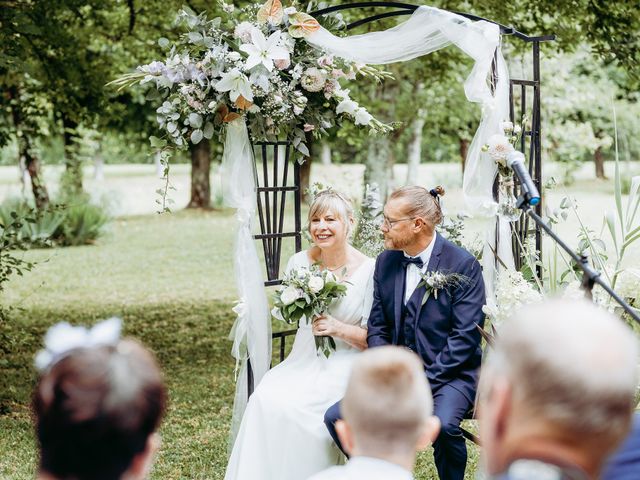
[(435, 281)]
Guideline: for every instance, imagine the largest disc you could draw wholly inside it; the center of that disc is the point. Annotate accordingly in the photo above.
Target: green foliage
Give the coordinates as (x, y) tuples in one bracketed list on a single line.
[(11, 262), (75, 222), (11, 241), (83, 223)]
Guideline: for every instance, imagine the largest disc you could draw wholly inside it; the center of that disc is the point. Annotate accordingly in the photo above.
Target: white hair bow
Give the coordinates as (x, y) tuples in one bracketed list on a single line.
[(63, 337)]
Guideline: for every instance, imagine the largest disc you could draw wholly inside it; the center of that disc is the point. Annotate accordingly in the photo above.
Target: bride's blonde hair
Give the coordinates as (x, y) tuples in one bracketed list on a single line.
[(335, 202)]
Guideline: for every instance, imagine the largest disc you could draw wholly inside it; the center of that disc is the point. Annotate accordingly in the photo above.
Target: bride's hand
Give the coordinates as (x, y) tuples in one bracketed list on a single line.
[(325, 325)]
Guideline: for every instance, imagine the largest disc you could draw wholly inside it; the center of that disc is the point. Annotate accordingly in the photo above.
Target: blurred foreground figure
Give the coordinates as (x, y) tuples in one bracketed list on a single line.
[(624, 464), (97, 405), (387, 417), (556, 392)]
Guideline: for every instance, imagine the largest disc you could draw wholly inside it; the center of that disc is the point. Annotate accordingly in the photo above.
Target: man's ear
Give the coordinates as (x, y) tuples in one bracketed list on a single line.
[(345, 434), (430, 432), (142, 462), (501, 398)]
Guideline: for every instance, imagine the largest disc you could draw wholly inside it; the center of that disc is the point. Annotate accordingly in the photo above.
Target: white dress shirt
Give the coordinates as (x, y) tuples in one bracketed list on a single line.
[(413, 273), (365, 468)]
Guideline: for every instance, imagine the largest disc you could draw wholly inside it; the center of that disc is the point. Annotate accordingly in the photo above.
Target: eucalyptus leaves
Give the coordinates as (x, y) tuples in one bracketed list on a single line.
[(253, 63)]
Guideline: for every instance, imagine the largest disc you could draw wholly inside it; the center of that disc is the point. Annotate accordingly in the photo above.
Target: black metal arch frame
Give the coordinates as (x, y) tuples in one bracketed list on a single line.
[(524, 97)]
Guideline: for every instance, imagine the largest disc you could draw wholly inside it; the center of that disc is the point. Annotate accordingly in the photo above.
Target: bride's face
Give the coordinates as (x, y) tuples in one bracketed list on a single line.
[(327, 229)]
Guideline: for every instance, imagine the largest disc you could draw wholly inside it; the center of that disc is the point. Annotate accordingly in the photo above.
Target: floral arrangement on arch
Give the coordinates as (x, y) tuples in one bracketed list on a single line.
[(252, 62)]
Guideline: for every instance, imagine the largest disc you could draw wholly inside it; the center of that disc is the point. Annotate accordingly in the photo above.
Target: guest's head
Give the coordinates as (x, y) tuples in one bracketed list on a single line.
[(387, 408), (558, 385), (410, 217), (330, 219), (97, 409)]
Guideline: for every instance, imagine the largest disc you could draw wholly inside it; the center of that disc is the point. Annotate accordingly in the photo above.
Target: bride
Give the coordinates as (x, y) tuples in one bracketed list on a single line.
[(282, 435)]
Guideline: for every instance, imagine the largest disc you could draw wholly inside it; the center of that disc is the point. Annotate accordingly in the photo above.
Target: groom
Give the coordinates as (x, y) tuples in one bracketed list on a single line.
[(443, 331)]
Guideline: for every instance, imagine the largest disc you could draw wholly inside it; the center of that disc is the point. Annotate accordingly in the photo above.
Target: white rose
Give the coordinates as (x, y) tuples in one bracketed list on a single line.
[(347, 106), (313, 79), (506, 126), (243, 31), (499, 147), (316, 284), (290, 294), (362, 117), (517, 129)]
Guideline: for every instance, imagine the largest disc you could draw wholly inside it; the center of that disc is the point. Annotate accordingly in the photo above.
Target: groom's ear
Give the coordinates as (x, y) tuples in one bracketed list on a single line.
[(420, 222), (345, 434)]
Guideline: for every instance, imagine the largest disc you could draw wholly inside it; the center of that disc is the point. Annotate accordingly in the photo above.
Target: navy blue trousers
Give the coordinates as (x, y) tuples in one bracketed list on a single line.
[(450, 450)]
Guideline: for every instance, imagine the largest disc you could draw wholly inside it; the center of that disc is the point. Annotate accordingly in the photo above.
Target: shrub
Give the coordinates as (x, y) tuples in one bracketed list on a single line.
[(74, 222), (83, 224)]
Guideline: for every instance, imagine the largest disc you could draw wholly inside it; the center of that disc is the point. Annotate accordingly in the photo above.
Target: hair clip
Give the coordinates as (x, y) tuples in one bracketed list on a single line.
[(316, 189), (63, 338)]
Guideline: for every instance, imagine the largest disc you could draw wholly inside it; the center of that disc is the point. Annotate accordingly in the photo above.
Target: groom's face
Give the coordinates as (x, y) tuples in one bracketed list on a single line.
[(398, 226)]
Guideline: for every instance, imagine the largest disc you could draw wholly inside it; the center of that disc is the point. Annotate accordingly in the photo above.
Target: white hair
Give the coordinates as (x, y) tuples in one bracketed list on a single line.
[(570, 363)]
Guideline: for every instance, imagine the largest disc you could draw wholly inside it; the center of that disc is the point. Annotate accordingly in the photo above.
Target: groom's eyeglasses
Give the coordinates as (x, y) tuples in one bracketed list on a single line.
[(390, 223)]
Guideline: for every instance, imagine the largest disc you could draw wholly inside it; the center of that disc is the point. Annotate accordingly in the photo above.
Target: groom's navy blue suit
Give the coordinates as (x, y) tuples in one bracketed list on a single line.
[(442, 332)]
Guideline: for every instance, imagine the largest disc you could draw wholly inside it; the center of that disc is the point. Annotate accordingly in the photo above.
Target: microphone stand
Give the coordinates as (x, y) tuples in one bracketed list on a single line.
[(590, 276)]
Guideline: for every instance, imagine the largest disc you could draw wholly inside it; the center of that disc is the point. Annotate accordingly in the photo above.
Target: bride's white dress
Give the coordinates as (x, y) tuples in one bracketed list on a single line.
[(282, 435)]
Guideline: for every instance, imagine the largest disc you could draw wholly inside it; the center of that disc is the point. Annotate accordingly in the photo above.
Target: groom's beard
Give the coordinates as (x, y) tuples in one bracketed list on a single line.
[(397, 243)]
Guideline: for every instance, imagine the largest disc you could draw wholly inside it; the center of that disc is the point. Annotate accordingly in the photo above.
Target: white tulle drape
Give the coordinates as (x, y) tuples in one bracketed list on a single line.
[(251, 333), (427, 30)]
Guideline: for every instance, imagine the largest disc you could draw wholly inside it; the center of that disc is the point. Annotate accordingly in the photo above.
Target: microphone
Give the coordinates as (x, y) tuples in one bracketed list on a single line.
[(515, 160)]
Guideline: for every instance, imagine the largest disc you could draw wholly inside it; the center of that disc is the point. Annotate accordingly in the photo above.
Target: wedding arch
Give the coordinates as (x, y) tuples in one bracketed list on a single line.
[(261, 174)]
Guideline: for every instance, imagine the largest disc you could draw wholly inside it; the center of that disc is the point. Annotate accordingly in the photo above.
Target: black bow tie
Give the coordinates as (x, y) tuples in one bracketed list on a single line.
[(417, 261)]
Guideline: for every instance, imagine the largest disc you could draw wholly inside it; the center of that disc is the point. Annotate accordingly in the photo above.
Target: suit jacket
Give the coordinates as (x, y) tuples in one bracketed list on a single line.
[(446, 335), (624, 463)]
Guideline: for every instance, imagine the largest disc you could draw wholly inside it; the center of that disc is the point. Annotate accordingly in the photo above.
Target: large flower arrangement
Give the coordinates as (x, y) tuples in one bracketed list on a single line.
[(254, 63)]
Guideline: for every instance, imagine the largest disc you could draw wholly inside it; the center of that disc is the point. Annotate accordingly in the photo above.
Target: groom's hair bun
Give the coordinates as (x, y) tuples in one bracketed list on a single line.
[(437, 191), (388, 401), (421, 202), (95, 410)]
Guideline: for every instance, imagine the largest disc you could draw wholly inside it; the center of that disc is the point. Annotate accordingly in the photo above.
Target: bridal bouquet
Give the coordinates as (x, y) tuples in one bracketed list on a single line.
[(251, 62), (308, 292)]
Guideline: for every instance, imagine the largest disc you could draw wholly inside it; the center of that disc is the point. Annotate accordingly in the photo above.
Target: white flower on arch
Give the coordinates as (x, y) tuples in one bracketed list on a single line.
[(236, 83), (263, 51)]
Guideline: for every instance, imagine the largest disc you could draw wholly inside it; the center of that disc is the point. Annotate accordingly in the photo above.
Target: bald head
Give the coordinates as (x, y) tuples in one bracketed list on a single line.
[(569, 366)]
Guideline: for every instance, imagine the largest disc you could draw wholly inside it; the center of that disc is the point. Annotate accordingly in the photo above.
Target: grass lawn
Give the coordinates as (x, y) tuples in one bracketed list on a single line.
[(170, 278)]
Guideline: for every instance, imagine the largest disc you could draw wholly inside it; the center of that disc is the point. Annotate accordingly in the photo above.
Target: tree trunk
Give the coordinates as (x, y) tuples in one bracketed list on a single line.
[(464, 148), (415, 148), (26, 155), (40, 194), (72, 178), (376, 172), (200, 171), (326, 153), (599, 160)]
